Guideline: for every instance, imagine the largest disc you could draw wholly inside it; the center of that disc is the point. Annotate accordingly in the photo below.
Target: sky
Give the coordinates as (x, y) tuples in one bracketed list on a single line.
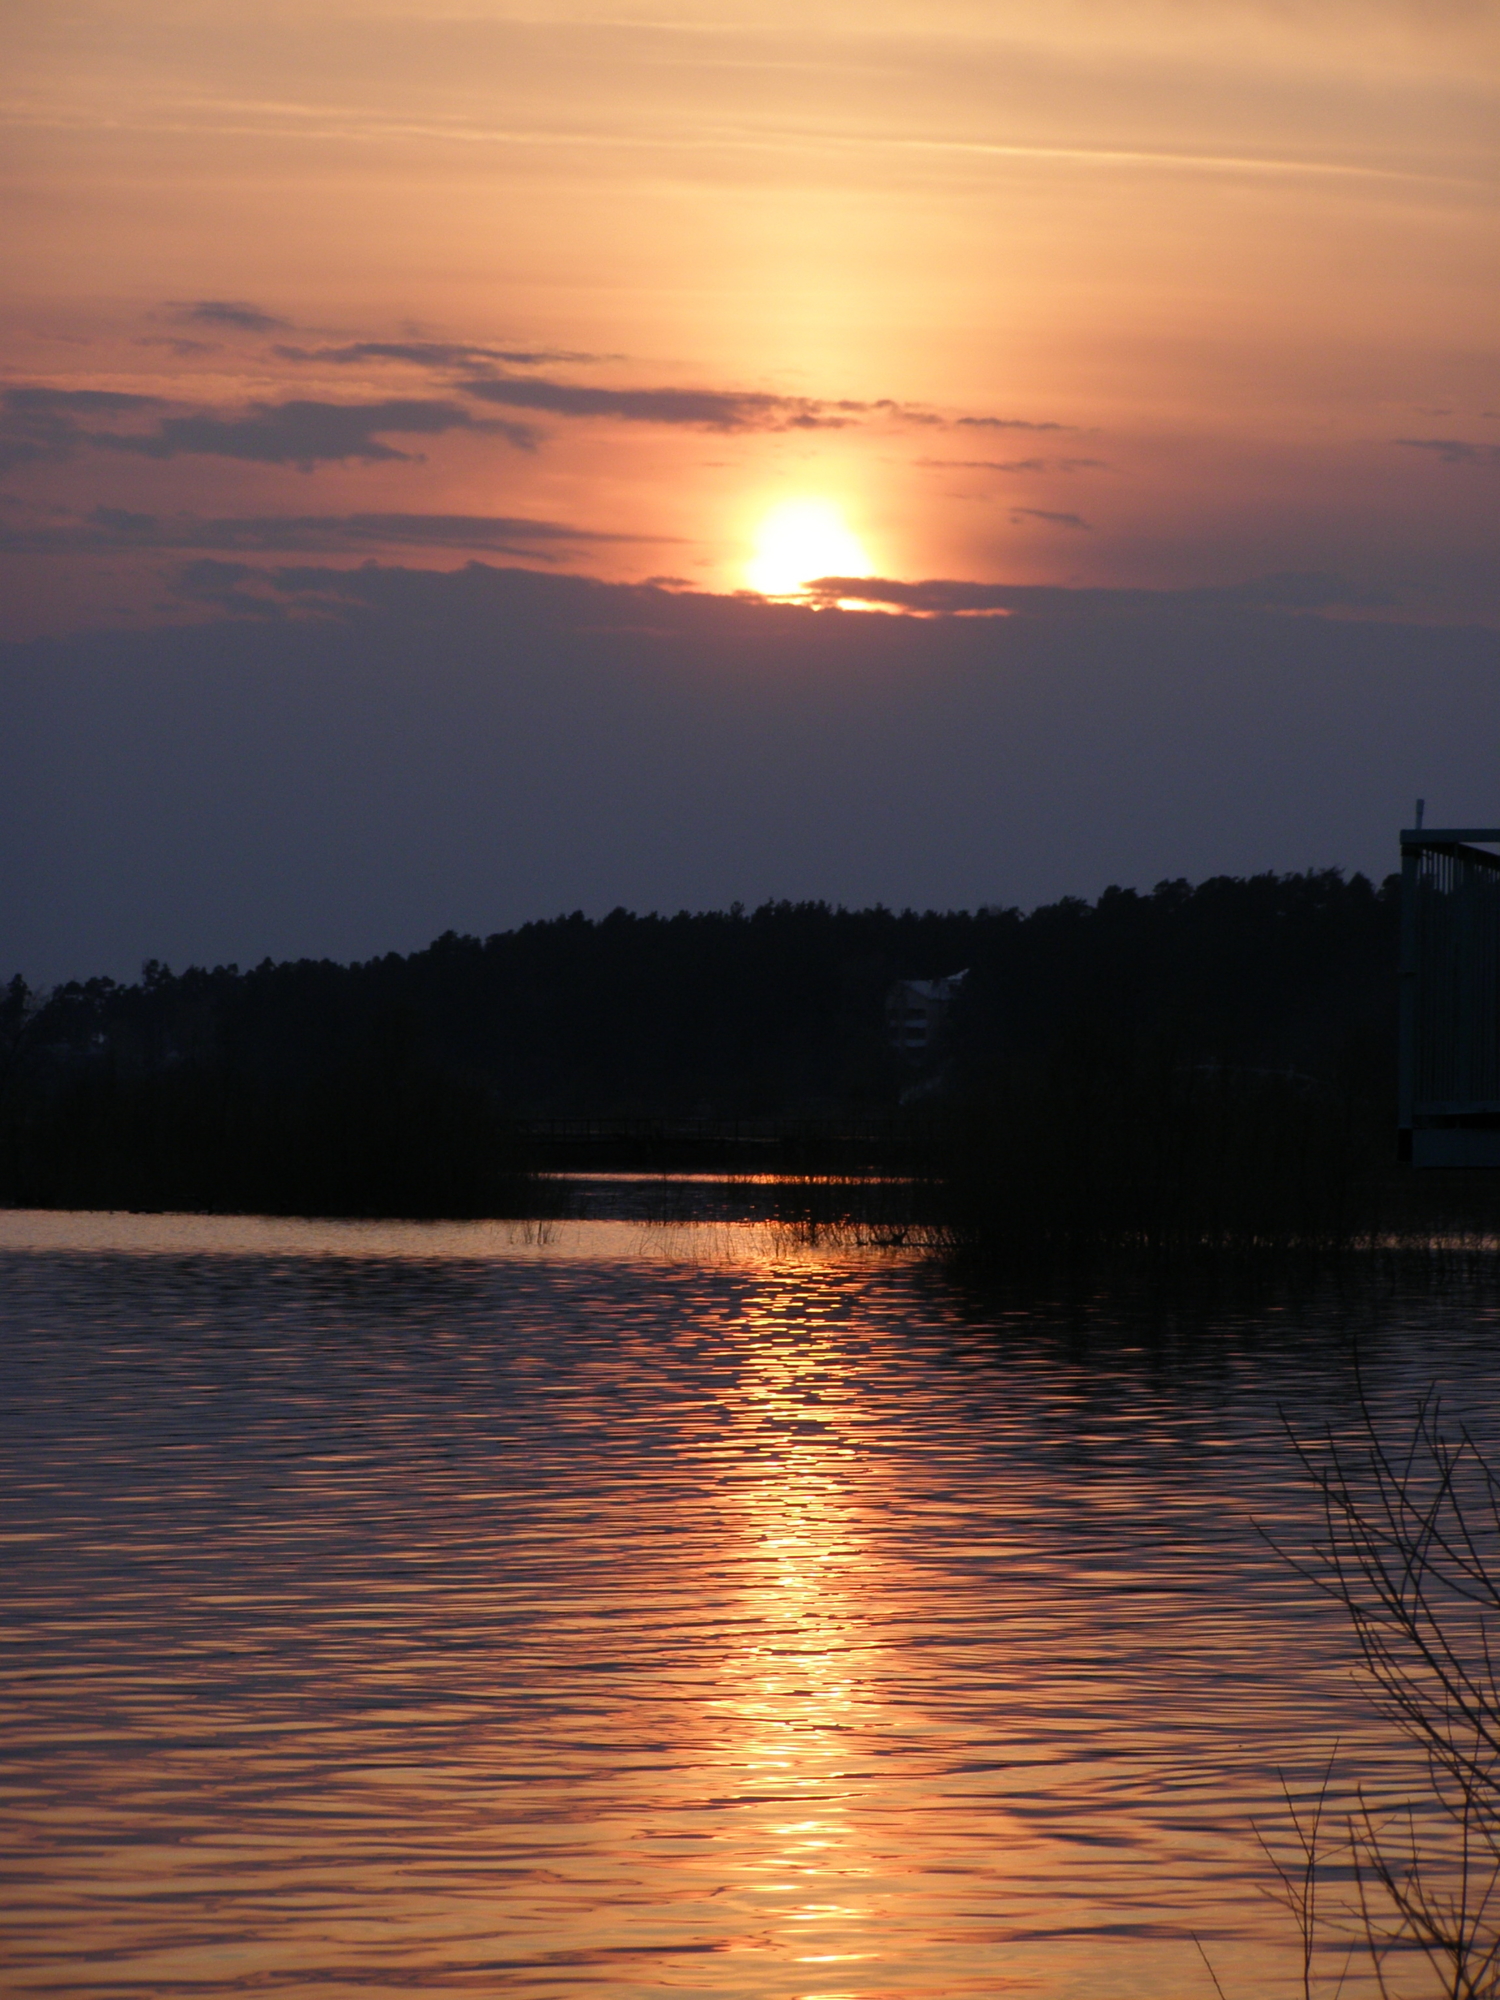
[(463, 461)]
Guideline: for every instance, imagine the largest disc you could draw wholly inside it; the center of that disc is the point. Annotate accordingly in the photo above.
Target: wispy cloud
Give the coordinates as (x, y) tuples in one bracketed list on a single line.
[(179, 344), (52, 424), (306, 433), (299, 590), (1454, 451), (39, 425), (262, 591), (82, 402), (443, 354), (45, 424), (1008, 424), (718, 409), (1028, 465), (108, 529), (697, 409), (951, 597), (1048, 515), (236, 313), (480, 371)]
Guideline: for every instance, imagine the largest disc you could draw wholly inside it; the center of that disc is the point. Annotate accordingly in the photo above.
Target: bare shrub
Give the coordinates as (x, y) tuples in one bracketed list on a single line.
[(1406, 1886)]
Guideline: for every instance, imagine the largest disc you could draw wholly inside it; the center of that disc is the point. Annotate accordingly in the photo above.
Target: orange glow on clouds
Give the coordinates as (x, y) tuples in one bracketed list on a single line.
[(1109, 294)]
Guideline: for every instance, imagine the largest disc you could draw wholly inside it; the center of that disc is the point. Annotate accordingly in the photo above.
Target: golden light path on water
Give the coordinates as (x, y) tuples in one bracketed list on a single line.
[(798, 1690), (599, 1609)]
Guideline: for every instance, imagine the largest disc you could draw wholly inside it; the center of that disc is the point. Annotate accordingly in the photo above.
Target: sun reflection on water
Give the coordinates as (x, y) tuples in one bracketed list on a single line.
[(800, 1693)]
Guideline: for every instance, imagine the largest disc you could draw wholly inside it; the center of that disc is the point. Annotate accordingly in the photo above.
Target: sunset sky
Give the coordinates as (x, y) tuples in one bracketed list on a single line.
[(969, 301)]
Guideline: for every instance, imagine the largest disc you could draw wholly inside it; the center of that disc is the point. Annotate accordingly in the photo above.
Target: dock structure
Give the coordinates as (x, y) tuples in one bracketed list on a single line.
[(1449, 1074)]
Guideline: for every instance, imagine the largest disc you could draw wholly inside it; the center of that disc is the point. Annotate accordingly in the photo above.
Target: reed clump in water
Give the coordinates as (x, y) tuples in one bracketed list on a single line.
[(1101, 1152)]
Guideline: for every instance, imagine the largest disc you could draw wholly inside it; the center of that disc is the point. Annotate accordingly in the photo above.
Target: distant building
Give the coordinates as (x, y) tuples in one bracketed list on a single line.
[(916, 1012), (1450, 996)]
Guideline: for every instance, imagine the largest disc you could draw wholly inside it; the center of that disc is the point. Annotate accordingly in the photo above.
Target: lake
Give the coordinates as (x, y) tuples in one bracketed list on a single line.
[(614, 1608)]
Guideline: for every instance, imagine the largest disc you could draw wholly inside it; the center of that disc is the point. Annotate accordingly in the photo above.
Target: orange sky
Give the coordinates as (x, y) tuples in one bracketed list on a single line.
[(1094, 293)]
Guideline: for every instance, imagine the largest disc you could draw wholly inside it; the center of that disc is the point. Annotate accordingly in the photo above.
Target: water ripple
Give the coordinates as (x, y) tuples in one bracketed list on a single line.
[(478, 1609)]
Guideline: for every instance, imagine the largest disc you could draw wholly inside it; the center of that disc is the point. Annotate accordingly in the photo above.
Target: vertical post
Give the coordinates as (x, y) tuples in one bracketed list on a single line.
[(1406, 1071)]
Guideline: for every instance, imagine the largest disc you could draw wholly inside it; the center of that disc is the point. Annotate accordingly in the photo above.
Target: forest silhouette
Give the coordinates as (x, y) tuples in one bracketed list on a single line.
[(1196, 1058)]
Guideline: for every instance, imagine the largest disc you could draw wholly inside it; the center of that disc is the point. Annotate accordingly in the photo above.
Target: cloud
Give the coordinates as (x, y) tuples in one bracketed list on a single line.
[(715, 409), (83, 402), (1056, 520), (698, 409), (1454, 451), (391, 588), (1008, 424), (109, 529), (39, 425), (1013, 464), (290, 593), (51, 423), (947, 597), (182, 346), (237, 313), (305, 433), (436, 354)]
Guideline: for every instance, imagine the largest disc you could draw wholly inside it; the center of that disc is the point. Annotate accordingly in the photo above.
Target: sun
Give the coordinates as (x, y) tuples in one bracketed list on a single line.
[(799, 541)]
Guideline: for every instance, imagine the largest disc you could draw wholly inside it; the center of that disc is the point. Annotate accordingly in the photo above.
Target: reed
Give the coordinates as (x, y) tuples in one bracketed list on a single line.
[(1141, 1155)]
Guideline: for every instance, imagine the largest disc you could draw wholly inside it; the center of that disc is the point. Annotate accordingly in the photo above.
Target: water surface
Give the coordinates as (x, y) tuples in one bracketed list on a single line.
[(606, 1609)]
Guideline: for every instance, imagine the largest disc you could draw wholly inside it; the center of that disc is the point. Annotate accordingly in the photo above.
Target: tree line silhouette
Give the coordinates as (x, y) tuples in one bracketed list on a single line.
[(1095, 1052)]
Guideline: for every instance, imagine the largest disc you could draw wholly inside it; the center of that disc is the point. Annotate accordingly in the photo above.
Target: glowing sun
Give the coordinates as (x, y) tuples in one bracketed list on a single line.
[(801, 540)]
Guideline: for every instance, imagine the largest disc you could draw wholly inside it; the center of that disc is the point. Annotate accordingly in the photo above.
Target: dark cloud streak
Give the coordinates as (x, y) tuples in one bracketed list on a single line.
[(39, 423), (443, 354), (1027, 465), (1007, 424), (724, 410), (237, 313), (42, 426), (697, 409), (82, 402), (1454, 451), (950, 597), (108, 530), (307, 433), (1050, 516), (281, 590)]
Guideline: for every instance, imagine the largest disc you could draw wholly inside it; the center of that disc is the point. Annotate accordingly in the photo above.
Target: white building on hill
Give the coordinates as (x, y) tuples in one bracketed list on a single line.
[(916, 1012)]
